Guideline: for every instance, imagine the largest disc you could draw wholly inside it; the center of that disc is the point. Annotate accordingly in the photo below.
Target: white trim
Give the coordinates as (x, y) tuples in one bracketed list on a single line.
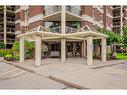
[(99, 9), (99, 24), (18, 10), (36, 18), (17, 32), (17, 21), (24, 7), (23, 23), (87, 18), (109, 15)]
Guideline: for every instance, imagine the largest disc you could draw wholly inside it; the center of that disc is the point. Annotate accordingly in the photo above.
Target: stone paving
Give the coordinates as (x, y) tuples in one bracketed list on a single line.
[(12, 77), (107, 75)]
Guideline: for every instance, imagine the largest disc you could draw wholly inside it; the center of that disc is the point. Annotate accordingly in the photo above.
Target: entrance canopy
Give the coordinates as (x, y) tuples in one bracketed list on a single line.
[(41, 33), (46, 34)]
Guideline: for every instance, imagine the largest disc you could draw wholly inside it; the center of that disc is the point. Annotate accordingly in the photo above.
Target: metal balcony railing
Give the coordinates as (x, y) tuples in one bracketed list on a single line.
[(10, 30), (11, 8), (10, 40), (67, 30), (116, 23), (73, 9), (11, 19), (52, 9), (116, 14)]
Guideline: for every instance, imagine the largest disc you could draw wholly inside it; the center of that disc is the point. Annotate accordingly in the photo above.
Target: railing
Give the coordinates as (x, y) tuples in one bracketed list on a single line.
[(10, 30), (11, 19), (73, 9), (115, 7), (116, 23), (10, 40), (11, 8), (52, 9), (67, 30), (116, 14)]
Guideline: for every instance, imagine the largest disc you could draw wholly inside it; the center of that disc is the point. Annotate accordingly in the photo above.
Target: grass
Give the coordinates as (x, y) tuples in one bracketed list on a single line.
[(121, 56)]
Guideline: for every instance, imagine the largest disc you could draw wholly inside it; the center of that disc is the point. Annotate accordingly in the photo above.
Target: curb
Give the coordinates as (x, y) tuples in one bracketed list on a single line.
[(67, 83), (97, 67)]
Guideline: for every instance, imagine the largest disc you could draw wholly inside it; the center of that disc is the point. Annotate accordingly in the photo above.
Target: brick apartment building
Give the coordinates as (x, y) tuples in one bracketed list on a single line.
[(107, 17), (29, 17)]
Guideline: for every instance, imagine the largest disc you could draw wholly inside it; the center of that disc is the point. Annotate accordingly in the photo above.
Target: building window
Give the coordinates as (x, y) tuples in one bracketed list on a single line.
[(26, 15)]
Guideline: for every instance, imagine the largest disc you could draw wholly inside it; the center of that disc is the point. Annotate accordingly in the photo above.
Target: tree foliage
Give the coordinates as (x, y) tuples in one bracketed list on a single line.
[(2, 46), (112, 37)]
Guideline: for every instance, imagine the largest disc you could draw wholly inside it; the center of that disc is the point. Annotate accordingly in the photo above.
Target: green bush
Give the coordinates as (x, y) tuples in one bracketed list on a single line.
[(17, 57), (2, 46), (8, 56), (28, 49), (2, 52)]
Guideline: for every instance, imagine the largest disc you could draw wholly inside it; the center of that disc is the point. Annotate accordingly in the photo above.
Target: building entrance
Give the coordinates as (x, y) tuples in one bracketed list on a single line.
[(73, 49)]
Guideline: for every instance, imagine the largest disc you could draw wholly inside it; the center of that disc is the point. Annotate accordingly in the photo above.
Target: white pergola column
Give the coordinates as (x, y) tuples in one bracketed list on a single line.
[(22, 50), (103, 49), (63, 50), (90, 50), (84, 48), (63, 41), (37, 50)]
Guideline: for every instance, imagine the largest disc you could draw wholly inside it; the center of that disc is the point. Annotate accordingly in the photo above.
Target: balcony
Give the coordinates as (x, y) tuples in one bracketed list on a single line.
[(116, 23), (52, 9), (116, 15), (53, 13), (116, 7), (67, 30), (10, 41), (11, 30), (9, 8)]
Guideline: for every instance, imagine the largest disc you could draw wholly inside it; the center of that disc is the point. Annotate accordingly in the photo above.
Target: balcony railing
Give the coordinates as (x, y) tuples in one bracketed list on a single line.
[(10, 40), (11, 8), (53, 9), (67, 30), (116, 23), (73, 9), (116, 14), (10, 30), (11, 19)]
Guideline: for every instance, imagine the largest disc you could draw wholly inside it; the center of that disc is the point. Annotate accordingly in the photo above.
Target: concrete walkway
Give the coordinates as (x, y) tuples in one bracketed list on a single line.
[(77, 72)]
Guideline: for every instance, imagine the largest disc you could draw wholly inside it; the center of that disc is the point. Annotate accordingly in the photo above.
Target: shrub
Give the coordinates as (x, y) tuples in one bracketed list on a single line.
[(17, 57), (2, 46), (2, 52), (8, 56)]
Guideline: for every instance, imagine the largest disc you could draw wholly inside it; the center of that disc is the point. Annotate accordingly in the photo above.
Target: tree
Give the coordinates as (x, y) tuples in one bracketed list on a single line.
[(112, 39)]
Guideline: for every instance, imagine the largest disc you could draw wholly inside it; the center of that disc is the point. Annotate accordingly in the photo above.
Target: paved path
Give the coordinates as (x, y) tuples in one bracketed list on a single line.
[(113, 76), (15, 78)]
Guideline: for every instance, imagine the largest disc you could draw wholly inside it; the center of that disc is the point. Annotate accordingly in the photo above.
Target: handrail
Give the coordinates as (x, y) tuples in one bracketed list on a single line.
[(52, 9), (58, 29)]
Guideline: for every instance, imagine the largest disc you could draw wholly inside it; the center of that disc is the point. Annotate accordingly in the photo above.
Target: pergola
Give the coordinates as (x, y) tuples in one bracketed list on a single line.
[(84, 34)]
